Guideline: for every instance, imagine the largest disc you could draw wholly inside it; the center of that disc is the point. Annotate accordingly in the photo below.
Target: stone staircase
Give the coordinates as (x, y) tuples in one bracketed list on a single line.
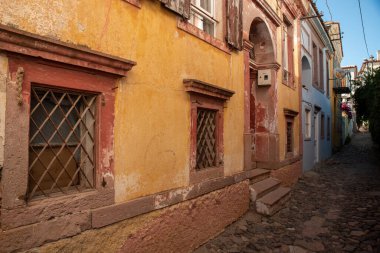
[(267, 194)]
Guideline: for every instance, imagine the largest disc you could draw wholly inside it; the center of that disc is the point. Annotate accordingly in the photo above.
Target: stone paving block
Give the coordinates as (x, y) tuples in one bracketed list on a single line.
[(333, 209)]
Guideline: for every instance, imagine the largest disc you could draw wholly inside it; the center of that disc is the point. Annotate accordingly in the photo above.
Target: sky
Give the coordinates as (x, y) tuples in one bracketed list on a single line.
[(347, 13)]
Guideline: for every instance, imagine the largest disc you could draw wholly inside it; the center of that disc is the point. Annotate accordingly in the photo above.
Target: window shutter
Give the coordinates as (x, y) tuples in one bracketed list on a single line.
[(182, 7), (235, 23)]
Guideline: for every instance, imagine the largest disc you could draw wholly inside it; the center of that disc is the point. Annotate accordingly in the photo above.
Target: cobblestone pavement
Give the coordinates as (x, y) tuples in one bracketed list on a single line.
[(333, 208)]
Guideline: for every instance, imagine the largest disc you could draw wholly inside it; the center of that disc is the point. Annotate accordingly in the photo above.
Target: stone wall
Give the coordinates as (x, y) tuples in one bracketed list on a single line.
[(288, 174), (179, 228)]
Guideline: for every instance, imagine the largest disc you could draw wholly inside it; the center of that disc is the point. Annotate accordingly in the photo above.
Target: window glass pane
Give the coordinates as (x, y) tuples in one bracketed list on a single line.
[(207, 5), (208, 26)]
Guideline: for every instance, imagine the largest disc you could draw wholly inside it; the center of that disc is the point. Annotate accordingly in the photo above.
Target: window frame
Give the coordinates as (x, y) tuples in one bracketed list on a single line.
[(56, 75), (287, 55), (315, 65), (328, 128), (327, 77), (307, 124), (197, 10), (320, 69), (31, 195), (212, 97), (197, 102), (290, 116), (322, 126), (289, 120)]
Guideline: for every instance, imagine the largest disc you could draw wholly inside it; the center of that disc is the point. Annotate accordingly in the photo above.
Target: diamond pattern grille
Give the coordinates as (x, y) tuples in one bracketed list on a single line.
[(61, 142), (289, 137), (206, 139)]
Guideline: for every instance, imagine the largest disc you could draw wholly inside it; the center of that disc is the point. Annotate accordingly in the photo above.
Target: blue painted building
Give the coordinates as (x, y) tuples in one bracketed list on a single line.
[(317, 54)]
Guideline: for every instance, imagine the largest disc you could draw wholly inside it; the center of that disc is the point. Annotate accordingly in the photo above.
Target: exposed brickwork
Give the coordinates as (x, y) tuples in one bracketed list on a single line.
[(289, 174)]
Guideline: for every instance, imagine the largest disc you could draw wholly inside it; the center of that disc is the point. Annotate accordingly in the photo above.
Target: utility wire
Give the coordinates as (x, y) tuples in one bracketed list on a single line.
[(328, 7), (365, 39)]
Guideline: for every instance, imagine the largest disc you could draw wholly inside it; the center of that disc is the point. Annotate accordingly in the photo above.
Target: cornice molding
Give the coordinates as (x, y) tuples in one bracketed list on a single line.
[(274, 65), (25, 43), (200, 87), (290, 112)]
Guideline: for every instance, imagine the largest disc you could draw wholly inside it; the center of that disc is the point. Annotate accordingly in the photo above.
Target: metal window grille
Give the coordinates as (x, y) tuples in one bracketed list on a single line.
[(206, 138), (289, 137), (61, 142)]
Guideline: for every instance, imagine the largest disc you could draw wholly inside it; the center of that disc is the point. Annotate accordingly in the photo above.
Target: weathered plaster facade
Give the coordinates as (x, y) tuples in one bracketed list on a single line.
[(150, 70), (272, 106), (148, 160)]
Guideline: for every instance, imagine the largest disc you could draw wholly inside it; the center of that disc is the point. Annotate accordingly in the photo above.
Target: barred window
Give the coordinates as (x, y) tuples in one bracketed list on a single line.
[(289, 136), (61, 141), (206, 138)]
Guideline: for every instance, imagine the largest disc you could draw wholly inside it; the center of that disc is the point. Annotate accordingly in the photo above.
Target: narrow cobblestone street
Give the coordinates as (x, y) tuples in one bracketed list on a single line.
[(334, 208)]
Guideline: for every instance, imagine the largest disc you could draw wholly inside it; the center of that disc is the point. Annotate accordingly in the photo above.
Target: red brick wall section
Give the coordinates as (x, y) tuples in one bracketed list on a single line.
[(289, 174), (186, 226)]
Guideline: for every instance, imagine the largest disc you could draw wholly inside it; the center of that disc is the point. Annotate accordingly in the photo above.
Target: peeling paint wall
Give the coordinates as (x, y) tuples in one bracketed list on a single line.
[(280, 95), (152, 118)]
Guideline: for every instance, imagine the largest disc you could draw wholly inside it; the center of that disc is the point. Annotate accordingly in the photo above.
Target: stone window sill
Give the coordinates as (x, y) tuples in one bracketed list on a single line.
[(195, 31)]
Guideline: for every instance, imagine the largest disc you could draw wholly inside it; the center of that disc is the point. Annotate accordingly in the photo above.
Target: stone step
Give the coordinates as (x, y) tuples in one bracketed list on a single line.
[(263, 187), (273, 201), (259, 175)]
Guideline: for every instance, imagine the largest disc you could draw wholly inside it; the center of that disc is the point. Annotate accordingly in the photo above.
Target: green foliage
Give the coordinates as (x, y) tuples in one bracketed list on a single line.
[(367, 103)]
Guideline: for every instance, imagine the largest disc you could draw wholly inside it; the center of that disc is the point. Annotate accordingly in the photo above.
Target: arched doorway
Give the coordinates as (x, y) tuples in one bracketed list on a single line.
[(262, 97), (259, 35)]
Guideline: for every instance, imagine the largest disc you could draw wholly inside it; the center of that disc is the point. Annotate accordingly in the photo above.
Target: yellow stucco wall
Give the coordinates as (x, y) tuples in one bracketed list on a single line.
[(152, 121), (288, 98)]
